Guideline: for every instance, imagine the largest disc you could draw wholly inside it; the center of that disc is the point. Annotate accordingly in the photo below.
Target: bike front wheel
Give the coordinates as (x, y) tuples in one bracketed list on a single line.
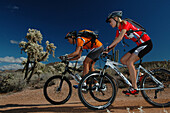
[(157, 97), (57, 90), (99, 92)]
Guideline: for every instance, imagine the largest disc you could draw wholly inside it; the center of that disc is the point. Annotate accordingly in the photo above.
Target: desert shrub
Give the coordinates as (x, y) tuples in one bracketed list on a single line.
[(9, 83), (50, 69)]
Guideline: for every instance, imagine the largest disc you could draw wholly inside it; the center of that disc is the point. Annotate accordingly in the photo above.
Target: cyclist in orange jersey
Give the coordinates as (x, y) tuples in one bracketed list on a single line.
[(84, 43)]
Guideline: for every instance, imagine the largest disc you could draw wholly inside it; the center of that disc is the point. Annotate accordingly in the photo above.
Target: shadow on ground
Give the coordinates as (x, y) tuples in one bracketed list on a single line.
[(26, 108)]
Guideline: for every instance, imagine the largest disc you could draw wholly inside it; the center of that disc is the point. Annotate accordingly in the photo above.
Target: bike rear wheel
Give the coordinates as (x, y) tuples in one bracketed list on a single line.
[(157, 97), (97, 97), (57, 90)]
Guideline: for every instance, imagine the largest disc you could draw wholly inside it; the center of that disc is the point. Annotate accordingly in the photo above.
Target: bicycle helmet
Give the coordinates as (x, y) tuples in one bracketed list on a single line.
[(72, 34), (114, 14)]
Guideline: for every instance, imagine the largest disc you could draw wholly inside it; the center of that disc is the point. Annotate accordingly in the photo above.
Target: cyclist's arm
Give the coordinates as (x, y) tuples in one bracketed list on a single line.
[(76, 53), (111, 48), (118, 39), (76, 57)]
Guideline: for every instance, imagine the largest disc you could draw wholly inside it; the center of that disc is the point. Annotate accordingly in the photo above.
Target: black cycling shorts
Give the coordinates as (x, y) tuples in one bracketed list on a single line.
[(142, 49), (95, 53)]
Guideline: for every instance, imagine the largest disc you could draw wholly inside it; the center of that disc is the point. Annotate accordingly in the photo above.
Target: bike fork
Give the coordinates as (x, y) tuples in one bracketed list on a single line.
[(59, 88)]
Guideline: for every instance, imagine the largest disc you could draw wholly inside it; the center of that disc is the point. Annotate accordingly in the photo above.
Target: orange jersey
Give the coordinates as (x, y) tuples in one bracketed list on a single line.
[(82, 40)]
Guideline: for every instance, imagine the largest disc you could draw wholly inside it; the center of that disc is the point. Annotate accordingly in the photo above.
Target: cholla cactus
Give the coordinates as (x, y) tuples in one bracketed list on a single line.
[(50, 47), (51, 69), (39, 69), (60, 67), (34, 35), (35, 51)]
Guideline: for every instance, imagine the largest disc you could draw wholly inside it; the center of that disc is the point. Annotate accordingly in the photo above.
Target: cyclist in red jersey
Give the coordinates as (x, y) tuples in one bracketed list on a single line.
[(143, 41)]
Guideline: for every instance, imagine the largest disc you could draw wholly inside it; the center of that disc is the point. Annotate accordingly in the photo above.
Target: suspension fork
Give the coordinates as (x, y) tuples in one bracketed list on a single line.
[(61, 83), (62, 79), (102, 75)]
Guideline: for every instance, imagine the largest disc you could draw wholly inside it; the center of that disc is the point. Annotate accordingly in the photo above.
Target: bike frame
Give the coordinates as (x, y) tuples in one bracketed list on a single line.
[(67, 69), (114, 65)]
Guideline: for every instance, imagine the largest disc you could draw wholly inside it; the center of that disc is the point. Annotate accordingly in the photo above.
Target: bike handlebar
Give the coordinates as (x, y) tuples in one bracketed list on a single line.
[(66, 61), (103, 55)]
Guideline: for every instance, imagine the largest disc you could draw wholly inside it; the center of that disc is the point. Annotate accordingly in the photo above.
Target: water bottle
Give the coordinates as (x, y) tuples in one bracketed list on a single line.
[(78, 76)]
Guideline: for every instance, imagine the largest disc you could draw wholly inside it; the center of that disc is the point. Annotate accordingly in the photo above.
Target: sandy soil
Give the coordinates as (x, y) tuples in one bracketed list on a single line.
[(33, 101)]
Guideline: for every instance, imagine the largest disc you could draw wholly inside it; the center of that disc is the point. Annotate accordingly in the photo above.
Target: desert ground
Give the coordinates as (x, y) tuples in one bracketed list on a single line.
[(33, 101)]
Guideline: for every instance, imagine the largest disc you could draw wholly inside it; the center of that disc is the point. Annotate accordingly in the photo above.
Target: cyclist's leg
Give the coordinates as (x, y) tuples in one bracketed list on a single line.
[(91, 57), (137, 53), (86, 65), (92, 66), (130, 64), (125, 58)]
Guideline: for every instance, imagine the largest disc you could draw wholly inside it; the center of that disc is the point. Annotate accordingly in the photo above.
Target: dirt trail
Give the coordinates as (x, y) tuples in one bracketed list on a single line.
[(33, 101)]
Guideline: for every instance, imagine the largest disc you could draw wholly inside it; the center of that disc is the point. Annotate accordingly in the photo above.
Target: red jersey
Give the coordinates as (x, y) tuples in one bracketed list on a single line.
[(133, 36)]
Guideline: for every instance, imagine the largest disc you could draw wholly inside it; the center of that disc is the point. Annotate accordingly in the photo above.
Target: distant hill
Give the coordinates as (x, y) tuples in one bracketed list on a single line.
[(52, 64), (147, 65), (157, 64)]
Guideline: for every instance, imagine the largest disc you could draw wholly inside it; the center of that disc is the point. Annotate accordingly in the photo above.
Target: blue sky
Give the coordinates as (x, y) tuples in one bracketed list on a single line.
[(54, 18)]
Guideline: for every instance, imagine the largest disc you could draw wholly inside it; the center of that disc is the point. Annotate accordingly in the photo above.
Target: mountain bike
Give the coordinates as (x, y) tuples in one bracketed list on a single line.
[(154, 86), (58, 89)]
